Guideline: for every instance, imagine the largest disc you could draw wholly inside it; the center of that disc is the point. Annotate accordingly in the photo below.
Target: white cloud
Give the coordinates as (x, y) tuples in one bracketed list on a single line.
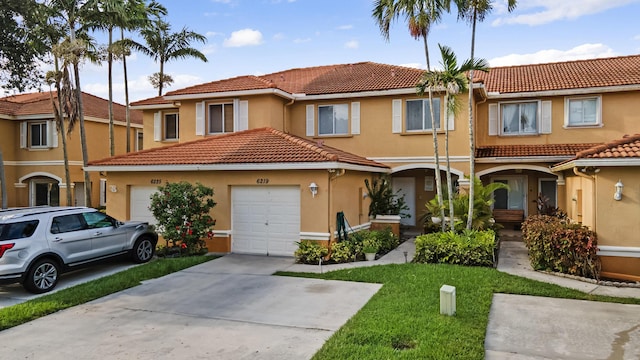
[(585, 51), (279, 36), (300, 40), (209, 49), (345, 27), (539, 12), (353, 44), (637, 37), (414, 65), (244, 37), (210, 34)]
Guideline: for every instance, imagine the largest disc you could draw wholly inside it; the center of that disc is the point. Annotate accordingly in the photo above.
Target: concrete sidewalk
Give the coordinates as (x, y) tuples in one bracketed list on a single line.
[(528, 327)]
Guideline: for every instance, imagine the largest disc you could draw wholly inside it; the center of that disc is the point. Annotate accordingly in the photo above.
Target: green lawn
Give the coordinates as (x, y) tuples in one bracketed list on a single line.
[(403, 321), (80, 294)]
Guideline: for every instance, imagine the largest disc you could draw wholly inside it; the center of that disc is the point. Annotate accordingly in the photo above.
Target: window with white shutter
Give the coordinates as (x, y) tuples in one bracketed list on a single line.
[(355, 118)]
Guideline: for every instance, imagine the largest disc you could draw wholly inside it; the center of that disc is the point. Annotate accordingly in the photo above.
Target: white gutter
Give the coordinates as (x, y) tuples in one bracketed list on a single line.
[(598, 162), (237, 93), (153, 107), (563, 92), (527, 159), (237, 167)]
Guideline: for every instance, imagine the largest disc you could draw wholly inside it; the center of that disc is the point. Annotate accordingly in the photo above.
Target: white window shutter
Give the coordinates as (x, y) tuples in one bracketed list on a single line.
[(54, 135), (200, 118), (157, 126), (545, 123), (451, 117), (236, 115), (310, 120), (103, 192), (493, 119), (396, 116), (23, 135), (243, 115), (355, 118)]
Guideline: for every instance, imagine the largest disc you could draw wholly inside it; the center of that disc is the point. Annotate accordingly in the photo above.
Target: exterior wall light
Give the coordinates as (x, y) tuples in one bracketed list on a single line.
[(618, 194), (314, 189)]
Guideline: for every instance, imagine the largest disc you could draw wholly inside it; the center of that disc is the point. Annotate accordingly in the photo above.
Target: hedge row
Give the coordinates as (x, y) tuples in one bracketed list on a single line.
[(471, 248)]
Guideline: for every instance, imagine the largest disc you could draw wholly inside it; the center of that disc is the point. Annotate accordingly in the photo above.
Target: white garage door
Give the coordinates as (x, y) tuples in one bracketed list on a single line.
[(265, 219), (139, 203)]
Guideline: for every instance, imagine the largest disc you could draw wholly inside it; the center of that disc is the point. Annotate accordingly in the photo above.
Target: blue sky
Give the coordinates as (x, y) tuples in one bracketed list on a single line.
[(254, 37)]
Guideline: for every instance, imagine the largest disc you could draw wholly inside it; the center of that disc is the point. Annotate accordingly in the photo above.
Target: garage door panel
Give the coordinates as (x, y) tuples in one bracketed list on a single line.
[(140, 200), (266, 220)]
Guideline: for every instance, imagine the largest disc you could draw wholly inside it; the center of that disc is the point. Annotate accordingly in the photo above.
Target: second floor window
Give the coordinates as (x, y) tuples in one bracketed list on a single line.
[(519, 118), (220, 118), (38, 134), (333, 119), (171, 127), (583, 111), (419, 114)]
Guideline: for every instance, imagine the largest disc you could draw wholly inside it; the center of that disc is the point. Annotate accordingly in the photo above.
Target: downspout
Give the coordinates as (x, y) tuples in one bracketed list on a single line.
[(594, 193), (284, 117), (333, 174)]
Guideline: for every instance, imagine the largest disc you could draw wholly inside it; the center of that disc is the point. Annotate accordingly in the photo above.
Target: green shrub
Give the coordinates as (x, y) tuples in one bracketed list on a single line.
[(310, 252), (472, 248), (344, 251), (555, 244)]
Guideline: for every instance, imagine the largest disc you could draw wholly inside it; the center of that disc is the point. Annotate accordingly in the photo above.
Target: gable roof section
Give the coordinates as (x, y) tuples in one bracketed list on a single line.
[(330, 79), (514, 151), (579, 74), (263, 148), (621, 152), (39, 103)]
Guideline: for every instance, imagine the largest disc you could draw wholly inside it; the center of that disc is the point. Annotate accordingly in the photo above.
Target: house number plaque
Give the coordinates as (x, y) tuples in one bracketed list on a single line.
[(262, 181), (156, 181)]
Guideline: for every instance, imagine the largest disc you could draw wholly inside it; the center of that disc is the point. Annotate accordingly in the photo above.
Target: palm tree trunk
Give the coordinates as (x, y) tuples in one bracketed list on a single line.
[(437, 158), (426, 49), (3, 182), (472, 160), (112, 146), (161, 77), (126, 95), (83, 138), (65, 155), (449, 181)]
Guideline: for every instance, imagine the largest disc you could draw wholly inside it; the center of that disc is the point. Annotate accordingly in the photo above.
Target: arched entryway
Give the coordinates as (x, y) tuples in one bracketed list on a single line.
[(418, 185), (44, 188)]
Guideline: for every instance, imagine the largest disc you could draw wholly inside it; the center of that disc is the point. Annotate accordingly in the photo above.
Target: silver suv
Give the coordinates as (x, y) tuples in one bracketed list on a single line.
[(38, 244)]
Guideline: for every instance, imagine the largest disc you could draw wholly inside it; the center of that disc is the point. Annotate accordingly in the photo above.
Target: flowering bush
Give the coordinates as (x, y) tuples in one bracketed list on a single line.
[(183, 214)]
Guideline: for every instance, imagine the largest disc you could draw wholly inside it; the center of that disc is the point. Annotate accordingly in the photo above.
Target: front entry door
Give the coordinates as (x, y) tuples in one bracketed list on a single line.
[(406, 186), (513, 199)]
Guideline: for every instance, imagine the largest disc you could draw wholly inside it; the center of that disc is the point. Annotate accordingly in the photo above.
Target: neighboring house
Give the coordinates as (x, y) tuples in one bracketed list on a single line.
[(527, 119), (32, 148)]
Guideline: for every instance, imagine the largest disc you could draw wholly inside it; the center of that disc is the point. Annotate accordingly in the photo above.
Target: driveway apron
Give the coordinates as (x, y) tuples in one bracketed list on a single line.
[(228, 308)]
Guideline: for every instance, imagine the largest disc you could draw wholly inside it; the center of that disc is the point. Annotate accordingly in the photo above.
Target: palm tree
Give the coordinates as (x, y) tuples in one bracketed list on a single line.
[(163, 46), (453, 80), (473, 11), (420, 15), (72, 50), (139, 18)]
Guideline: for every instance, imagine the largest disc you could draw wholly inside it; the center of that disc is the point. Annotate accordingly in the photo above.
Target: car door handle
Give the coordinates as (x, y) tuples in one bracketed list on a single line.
[(97, 233), (57, 239)]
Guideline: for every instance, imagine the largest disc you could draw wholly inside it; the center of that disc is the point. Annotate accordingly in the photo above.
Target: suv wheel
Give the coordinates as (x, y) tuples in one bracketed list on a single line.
[(143, 250), (42, 276)]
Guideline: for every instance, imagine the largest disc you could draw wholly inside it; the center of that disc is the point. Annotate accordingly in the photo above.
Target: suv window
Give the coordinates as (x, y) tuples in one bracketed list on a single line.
[(67, 223), (97, 220), (19, 230)]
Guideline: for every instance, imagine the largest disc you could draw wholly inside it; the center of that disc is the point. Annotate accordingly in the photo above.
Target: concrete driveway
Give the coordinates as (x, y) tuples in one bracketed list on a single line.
[(14, 293), (228, 308)]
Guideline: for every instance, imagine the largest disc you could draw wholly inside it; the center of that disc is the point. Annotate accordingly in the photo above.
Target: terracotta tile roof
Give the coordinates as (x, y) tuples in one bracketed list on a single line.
[(256, 146), (614, 71), (330, 79), (152, 101), (39, 103), (627, 147), (530, 150)]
